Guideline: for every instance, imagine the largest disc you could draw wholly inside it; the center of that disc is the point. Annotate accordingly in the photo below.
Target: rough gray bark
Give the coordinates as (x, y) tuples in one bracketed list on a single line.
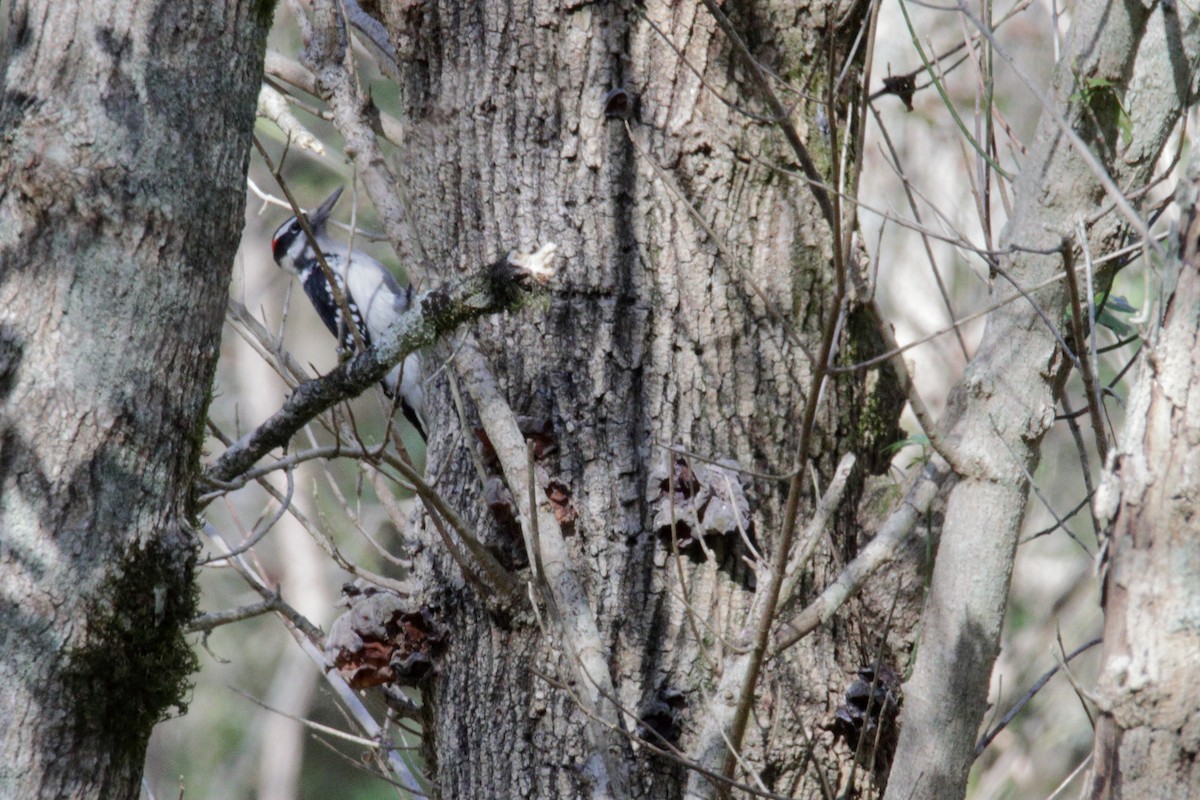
[(655, 336), (124, 140), (1003, 408), (1148, 726)]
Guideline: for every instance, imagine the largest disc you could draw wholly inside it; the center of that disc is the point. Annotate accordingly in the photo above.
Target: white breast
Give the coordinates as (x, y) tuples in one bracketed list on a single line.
[(380, 300), (376, 292)]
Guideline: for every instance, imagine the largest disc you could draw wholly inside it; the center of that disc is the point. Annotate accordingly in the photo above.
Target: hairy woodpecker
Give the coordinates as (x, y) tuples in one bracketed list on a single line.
[(372, 293)]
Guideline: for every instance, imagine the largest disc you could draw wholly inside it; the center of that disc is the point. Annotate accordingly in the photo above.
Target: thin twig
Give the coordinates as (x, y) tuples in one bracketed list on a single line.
[(1080, 147), (309, 637), (1008, 717), (937, 439), (821, 514), (261, 530), (206, 623), (916, 212), (1091, 389), (879, 359), (1081, 451), (1033, 485)]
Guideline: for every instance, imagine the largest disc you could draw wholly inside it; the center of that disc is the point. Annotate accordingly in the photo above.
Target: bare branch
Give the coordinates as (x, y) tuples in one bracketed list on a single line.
[(816, 526), (274, 106), (310, 638), (916, 212), (1084, 362), (879, 551), (372, 34), (987, 738), (577, 623), (937, 439), (207, 623), (290, 72), (1054, 113)]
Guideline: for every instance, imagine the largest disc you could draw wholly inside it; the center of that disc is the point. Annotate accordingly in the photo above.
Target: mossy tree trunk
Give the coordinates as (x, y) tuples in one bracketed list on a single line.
[(124, 138)]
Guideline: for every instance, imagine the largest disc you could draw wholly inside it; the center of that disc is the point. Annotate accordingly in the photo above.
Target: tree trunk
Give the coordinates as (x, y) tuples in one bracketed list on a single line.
[(1148, 728), (669, 326), (125, 137)]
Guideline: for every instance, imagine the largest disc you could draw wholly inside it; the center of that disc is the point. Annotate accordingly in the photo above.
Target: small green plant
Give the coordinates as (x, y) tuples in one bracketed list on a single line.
[(1108, 306), (919, 440)]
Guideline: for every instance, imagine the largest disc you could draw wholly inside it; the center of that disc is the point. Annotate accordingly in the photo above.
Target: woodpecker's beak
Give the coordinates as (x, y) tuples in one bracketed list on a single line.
[(317, 218)]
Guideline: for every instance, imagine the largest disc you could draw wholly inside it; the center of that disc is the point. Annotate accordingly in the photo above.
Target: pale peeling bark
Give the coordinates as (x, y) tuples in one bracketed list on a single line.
[(1006, 402), (124, 139), (655, 335), (1148, 728)]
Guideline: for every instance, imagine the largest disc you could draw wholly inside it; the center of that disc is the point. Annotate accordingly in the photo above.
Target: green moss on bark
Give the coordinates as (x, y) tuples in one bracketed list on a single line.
[(135, 666), (875, 416)]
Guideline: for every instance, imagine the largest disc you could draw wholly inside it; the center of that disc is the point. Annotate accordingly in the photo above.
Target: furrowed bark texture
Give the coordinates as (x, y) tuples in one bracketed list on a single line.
[(1148, 728), (1006, 402), (651, 338), (124, 139)]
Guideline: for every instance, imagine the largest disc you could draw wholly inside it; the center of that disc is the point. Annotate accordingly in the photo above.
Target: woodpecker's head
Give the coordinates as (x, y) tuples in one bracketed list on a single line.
[(290, 246)]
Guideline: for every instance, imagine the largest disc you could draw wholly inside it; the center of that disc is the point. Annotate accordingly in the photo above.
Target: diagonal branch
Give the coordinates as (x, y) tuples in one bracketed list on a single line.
[(549, 554), (878, 552)]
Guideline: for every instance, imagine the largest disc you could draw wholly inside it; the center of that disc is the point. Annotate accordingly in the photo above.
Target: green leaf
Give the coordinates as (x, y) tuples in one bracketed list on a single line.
[(1125, 125), (1115, 325), (920, 440)]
